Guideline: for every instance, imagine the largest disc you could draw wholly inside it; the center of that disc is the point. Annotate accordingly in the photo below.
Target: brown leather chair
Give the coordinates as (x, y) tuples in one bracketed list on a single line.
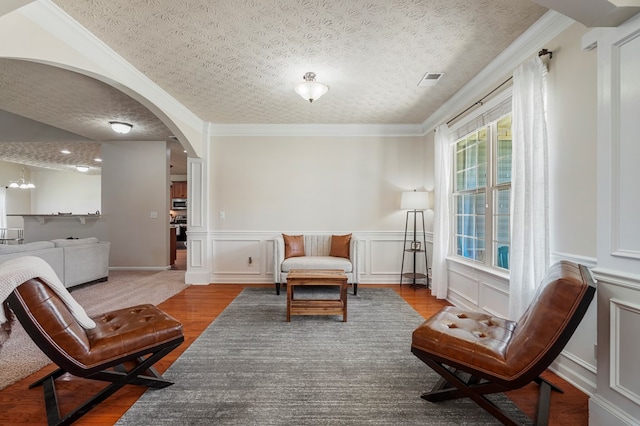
[(498, 355), (121, 349)]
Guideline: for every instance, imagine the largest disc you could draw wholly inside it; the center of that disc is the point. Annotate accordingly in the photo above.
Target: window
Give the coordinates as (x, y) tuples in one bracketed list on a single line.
[(482, 193)]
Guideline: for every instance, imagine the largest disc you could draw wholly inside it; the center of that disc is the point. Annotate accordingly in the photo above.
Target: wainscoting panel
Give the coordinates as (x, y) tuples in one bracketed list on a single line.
[(617, 399), (624, 350), (618, 379), (464, 286), (380, 256), (385, 258), (233, 257), (494, 298)]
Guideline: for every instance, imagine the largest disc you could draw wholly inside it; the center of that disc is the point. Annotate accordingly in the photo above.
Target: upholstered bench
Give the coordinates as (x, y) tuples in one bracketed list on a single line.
[(318, 252)]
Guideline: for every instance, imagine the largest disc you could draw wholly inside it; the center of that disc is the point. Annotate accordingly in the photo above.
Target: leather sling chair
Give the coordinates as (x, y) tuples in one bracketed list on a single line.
[(122, 347), (498, 355)]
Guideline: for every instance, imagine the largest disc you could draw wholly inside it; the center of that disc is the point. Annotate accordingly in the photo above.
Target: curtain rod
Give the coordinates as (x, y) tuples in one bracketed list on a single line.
[(543, 52)]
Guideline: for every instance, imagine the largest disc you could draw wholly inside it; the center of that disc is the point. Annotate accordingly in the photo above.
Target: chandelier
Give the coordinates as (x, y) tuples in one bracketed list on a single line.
[(21, 183)]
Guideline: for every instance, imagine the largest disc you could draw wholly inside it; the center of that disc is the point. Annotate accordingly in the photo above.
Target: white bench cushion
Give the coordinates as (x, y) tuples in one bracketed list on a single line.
[(316, 262)]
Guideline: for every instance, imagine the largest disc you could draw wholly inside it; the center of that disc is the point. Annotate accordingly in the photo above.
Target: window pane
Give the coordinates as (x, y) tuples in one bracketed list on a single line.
[(504, 170), (503, 151), (502, 228), (503, 201), (460, 160), (480, 227), (459, 181), (483, 161), (472, 157), (468, 247), (502, 256), (480, 203), (471, 179), (482, 175)]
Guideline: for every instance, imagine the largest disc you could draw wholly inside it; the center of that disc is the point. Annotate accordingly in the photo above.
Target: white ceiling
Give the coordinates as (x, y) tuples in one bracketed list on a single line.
[(237, 62)]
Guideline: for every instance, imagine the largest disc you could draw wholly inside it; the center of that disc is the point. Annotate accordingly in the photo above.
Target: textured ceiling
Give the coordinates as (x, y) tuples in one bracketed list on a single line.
[(77, 104), (237, 61)]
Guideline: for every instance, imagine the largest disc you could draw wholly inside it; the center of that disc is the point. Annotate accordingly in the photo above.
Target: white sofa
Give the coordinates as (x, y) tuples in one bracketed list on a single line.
[(75, 261), (317, 249)]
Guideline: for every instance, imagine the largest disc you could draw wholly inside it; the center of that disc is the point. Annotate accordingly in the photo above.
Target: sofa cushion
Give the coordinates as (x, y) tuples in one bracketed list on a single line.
[(340, 245), (20, 248), (293, 245), (317, 262), (63, 242)]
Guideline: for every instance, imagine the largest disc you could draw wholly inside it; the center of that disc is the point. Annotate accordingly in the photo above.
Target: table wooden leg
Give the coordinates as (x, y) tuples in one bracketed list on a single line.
[(343, 297), (289, 297)]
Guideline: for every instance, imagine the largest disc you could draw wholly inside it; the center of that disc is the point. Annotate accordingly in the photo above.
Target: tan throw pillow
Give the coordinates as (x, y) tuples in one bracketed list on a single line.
[(340, 245), (293, 246)]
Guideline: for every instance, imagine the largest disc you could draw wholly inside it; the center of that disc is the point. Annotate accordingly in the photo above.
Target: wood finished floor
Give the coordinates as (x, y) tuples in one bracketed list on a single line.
[(196, 307)]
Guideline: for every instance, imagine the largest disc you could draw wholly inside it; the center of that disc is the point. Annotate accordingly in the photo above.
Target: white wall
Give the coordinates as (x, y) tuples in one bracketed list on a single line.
[(135, 185), (338, 184), (572, 99), (58, 191), (572, 131), (18, 201), (267, 185)]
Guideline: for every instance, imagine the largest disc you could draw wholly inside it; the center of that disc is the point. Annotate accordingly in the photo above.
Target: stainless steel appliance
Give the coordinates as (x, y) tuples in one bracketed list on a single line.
[(178, 204), (181, 228)]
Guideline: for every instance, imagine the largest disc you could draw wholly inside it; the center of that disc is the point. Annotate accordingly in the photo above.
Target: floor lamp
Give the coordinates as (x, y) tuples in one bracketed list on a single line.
[(415, 203)]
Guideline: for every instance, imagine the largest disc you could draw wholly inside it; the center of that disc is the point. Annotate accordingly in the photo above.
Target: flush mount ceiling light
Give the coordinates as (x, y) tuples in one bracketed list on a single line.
[(82, 169), (21, 183), (120, 127), (310, 89)]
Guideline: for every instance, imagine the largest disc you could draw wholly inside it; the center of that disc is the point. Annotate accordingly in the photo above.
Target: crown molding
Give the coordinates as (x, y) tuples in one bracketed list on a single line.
[(545, 29), (334, 130)]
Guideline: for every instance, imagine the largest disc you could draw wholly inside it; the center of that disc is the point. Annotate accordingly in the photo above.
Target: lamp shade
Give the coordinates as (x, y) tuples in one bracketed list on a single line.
[(414, 200)]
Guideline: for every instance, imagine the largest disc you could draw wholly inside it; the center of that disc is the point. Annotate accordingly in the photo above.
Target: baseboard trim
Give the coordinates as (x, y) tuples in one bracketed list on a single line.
[(603, 413), (575, 371)]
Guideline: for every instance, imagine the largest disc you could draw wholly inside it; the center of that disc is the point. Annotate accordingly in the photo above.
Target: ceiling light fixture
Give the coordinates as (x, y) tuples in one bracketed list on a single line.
[(21, 183), (310, 90), (120, 127), (82, 169), (65, 151)]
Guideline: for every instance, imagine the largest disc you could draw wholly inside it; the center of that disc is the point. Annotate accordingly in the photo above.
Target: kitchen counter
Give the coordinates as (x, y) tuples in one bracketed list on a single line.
[(45, 227), (42, 218)]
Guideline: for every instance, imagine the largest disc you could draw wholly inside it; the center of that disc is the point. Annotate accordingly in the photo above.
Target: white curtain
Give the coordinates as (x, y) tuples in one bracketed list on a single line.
[(529, 257), (441, 237)]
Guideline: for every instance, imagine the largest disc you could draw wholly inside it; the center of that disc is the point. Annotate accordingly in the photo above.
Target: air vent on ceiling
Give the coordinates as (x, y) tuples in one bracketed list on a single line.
[(430, 79)]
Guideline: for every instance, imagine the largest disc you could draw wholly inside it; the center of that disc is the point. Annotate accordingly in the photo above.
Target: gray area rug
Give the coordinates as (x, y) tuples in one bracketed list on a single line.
[(251, 367), (20, 357)]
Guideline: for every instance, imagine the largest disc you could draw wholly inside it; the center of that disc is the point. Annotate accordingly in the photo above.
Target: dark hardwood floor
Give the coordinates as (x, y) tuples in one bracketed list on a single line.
[(196, 307)]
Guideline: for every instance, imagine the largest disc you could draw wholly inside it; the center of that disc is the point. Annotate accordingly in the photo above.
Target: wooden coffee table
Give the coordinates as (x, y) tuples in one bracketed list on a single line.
[(307, 277)]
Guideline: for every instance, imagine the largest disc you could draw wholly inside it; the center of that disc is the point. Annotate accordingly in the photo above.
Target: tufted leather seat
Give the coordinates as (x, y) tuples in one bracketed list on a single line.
[(140, 335), (500, 354)]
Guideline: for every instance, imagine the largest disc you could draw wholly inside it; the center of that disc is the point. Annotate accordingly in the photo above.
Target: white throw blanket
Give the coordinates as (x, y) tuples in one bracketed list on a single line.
[(14, 272)]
